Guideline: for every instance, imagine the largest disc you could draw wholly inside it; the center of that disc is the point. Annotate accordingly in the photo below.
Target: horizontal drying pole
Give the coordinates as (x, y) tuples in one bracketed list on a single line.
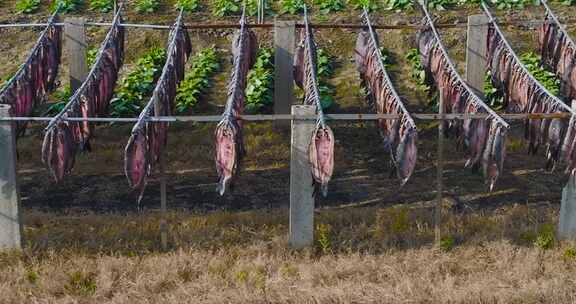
[(271, 25), (270, 117)]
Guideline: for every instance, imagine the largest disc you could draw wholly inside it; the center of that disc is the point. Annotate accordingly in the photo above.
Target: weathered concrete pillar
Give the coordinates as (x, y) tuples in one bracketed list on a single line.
[(301, 190), (10, 226), (75, 41), (476, 51), (567, 220), (284, 44)]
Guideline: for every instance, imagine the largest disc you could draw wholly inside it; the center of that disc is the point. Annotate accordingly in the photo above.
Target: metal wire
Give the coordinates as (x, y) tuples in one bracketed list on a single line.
[(475, 97)]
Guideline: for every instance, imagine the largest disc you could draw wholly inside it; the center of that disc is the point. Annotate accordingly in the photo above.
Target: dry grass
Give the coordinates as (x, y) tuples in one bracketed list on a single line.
[(362, 255)]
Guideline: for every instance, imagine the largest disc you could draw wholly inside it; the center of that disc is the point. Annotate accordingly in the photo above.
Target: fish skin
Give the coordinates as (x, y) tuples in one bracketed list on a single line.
[(136, 162), (406, 155), (321, 156), (227, 154)]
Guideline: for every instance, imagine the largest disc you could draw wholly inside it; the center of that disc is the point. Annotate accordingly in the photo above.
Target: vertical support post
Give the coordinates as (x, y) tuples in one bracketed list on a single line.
[(476, 51), (162, 175), (284, 44), (10, 228), (439, 172), (301, 189), (567, 220), (76, 46)]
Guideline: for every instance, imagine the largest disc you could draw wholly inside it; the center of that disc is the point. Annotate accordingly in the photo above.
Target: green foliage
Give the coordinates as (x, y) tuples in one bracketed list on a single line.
[(568, 2), (66, 6), (137, 85), (32, 276), (329, 6), (447, 243), (509, 4), (292, 7), (91, 56), (441, 5), (325, 69), (323, 238), (546, 238), (392, 222), (62, 95), (398, 5), (260, 82), (103, 6), (197, 81), (418, 73), (492, 95), (147, 6), (222, 8), (548, 79), (187, 5), (252, 7), (27, 6), (370, 5), (570, 253), (81, 283)]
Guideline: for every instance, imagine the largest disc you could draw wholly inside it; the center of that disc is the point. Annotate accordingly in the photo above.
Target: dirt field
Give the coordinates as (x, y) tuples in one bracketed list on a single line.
[(85, 241)]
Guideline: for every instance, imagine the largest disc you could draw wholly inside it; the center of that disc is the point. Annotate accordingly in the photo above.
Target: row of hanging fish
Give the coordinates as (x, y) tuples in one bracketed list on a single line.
[(399, 135), (62, 138), (149, 139), (229, 146), (482, 139), (321, 147), (524, 94), (558, 52), (37, 76)]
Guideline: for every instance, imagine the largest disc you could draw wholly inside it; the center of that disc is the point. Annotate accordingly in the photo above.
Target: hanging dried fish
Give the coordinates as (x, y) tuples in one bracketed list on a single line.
[(149, 139), (228, 134), (321, 147), (399, 135), (484, 140), (36, 76), (558, 52), (524, 94), (90, 100)]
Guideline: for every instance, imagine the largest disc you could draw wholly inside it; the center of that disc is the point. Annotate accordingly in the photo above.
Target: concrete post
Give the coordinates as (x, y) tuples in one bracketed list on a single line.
[(75, 40), (567, 220), (284, 44), (10, 227), (301, 190), (476, 51)]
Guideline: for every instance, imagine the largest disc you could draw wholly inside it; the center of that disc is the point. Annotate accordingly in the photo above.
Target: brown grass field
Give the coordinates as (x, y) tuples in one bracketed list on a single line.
[(86, 242)]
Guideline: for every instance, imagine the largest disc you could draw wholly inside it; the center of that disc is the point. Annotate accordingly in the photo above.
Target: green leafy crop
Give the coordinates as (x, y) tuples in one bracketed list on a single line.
[(91, 56), (260, 82), (27, 6), (398, 5), (222, 8), (532, 62), (137, 85), (370, 5), (147, 6), (188, 5), (329, 6), (197, 81), (66, 6), (292, 7), (103, 6)]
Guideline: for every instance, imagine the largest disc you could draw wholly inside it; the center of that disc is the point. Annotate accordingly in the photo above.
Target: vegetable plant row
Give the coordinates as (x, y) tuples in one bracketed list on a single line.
[(220, 8), (204, 65), (135, 87), (260, 85)]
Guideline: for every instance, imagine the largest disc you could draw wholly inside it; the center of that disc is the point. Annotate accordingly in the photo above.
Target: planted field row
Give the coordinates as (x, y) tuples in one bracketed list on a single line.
[(222, 8)]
